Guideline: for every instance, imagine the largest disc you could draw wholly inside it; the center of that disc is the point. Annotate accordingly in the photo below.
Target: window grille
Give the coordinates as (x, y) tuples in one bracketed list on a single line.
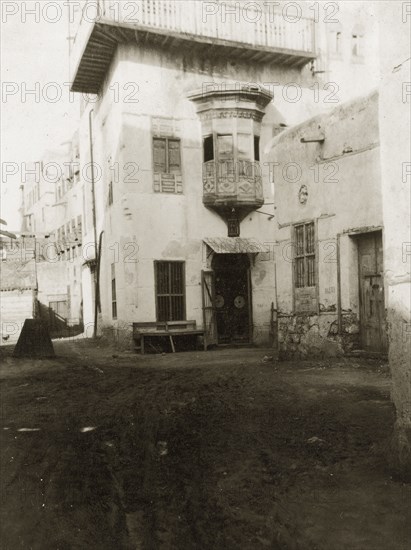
[(305, 272), (170, 291)]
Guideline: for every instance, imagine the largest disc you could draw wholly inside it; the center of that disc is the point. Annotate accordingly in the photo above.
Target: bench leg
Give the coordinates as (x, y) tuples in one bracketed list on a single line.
[(172, 344)]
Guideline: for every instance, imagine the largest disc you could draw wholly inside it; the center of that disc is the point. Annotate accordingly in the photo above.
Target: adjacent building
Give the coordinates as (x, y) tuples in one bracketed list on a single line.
[(51, 239), (329, 233)]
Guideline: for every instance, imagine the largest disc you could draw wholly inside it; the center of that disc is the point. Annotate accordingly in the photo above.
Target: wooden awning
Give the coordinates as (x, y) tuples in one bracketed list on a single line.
[(235, 245)]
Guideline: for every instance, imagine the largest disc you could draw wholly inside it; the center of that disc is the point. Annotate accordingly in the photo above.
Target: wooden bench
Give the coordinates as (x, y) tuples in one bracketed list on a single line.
[(168, 329)]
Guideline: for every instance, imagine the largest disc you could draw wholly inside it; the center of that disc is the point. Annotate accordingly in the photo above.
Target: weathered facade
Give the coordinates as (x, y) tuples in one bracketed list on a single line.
[(181, 200), (328, 250), (181, 174), (394, 120), (18, 287), (52, 210)]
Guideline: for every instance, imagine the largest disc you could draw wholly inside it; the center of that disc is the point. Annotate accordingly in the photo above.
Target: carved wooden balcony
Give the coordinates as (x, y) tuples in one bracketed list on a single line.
[(232, 184)]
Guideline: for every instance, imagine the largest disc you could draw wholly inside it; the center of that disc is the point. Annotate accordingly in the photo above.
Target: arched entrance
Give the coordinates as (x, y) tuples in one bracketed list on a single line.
[(232, 298)]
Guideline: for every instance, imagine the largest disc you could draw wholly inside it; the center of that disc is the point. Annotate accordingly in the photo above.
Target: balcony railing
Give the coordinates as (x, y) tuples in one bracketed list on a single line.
[(248, 30), (229, 21)]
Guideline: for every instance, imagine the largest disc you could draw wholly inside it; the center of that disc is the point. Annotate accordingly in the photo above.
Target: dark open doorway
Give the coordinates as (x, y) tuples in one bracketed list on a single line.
[(232, 298)]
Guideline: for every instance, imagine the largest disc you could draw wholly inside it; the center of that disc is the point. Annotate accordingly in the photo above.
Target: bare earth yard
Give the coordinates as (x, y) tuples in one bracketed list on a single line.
[(219, 450)]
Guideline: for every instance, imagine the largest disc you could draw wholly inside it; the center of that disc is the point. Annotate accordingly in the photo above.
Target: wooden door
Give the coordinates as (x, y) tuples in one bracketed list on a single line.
[(209, 318), (372, 307), (232, 298)]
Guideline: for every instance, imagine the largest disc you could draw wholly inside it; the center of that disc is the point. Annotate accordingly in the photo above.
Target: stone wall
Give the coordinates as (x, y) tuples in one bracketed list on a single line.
[(301, 336), (16, 306)]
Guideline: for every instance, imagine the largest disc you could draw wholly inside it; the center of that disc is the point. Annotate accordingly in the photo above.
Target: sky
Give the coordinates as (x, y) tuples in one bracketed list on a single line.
[(34, 56)]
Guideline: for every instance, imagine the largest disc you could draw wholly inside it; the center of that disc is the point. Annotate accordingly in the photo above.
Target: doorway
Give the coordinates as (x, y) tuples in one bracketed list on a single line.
[(371, 292), (232, 298), (58, 313)]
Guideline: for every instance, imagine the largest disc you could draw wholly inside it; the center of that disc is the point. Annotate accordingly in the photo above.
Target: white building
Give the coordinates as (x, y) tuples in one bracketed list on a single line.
[(188, 96)]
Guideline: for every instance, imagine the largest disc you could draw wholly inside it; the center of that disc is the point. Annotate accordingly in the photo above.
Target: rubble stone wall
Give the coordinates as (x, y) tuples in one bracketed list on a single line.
[(300, 336)]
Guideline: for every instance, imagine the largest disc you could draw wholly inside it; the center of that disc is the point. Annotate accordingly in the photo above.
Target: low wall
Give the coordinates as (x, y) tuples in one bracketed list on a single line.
[(301, 336)]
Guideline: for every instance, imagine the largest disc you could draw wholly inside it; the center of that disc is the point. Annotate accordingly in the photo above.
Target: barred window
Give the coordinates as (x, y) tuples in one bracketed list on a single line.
[(170, 291), (304, 255)]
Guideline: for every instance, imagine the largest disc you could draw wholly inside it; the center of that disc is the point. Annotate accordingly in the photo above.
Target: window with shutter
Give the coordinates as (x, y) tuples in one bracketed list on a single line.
[(225, 156), (174, 163), (167, 165), (244, 152), (160, 157), (225, 147), (244, 146)]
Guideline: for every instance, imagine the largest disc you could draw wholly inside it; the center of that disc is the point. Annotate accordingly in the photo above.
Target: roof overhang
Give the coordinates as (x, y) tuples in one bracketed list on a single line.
[(96, 44)]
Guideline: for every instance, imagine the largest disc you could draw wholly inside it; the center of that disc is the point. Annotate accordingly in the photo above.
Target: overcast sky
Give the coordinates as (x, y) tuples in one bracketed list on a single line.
[(34, 53)]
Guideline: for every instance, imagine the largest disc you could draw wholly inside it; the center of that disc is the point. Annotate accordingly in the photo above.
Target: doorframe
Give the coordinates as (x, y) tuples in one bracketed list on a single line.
[(352, 233), (356, 235), (250, 305), (249, 291), (214, 340)]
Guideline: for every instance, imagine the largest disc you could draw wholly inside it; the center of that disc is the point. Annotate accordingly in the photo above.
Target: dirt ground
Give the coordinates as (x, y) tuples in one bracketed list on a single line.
[(200, 450)]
